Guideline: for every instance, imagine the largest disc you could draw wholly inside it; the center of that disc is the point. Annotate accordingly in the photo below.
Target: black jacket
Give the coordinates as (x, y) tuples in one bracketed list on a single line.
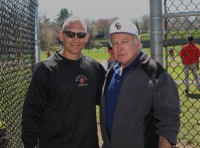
[(60, 106)]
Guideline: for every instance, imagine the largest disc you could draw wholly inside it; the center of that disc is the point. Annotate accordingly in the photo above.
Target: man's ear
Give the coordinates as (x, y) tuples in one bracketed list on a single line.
[(60, 35), (87, 38), (138, 43)]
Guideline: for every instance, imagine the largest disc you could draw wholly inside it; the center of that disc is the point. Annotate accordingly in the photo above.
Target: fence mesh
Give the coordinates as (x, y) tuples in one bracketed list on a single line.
[(17, 29), (182, 18)]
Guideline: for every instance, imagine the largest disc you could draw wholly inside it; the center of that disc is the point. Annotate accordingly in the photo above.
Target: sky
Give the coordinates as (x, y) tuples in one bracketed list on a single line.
[(95, 9)]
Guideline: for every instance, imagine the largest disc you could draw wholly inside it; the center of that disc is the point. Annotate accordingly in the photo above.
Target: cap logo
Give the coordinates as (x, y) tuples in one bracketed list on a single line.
[(118, 26)]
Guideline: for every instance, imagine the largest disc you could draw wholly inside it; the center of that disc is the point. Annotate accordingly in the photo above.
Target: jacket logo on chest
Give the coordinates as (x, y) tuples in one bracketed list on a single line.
[(81, 80)]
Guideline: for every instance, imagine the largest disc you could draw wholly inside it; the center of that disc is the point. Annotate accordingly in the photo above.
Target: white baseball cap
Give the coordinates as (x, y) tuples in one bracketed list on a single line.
[(122, 26)]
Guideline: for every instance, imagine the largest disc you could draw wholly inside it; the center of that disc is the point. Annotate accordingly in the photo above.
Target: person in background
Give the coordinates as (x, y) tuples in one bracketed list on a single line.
[(140, 105), (48, 53), (107, 63), (171, 53), (18, 56), (60, 106), (190, 54)]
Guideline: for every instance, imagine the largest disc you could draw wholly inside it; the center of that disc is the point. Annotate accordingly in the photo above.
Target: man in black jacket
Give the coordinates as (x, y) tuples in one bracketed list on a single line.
[(60, 107)]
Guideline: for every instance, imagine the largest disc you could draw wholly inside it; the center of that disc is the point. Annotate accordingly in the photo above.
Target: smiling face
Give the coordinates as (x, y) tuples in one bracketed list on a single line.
[(126, 47), (73, 46)]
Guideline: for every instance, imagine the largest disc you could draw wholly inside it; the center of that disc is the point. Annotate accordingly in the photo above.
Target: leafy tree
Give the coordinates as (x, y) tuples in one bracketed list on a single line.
[(45, 33), (135, 21), (102, 26), (45, 37), (63, 15), (144, 24)]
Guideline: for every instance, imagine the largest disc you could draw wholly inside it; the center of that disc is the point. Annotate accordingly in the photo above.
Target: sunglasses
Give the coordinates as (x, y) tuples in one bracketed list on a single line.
[(71, 34)]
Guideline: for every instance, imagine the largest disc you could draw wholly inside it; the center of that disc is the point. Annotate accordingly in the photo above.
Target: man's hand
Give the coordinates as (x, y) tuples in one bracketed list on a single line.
[(164, 143)]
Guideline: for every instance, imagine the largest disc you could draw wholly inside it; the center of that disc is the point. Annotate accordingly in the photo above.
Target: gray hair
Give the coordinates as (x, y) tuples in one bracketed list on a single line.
[(74, 19)]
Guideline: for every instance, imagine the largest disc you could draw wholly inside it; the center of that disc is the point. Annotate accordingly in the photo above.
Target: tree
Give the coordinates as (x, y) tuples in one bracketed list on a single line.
[(145, 22), (102, 26), (45, 33), (135, 21), (63, 15)]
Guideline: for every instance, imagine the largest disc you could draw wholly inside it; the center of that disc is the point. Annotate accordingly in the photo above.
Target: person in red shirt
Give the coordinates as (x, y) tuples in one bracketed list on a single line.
[(171, 53), (18, 55), (48, 54), (190, 54)]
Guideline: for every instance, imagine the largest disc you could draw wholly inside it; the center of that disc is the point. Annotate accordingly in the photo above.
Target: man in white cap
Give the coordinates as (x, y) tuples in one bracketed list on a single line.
[(140, 105)]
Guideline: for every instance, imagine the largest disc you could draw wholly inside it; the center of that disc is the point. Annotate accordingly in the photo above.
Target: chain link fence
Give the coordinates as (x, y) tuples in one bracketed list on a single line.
[(17, 58), (181, 19)]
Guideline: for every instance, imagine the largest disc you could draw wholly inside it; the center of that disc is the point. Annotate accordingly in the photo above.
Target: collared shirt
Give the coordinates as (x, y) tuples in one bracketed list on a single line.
[(113, 90)]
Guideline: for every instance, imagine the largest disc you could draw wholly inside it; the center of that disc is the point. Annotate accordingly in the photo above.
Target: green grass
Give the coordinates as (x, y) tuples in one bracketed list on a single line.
[(2, 125), (43, 55), (171, 34), (98, 54)]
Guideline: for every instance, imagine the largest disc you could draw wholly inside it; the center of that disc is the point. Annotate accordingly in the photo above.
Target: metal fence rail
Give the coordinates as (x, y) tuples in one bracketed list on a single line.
[(17, 58), (181, 19)]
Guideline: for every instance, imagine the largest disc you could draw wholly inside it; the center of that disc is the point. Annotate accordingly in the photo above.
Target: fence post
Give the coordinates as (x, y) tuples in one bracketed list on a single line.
[(156, 40), (37, 34)]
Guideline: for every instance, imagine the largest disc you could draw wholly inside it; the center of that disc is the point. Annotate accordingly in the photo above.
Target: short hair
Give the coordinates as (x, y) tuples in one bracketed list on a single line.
[(190, 38), (74, 19)]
